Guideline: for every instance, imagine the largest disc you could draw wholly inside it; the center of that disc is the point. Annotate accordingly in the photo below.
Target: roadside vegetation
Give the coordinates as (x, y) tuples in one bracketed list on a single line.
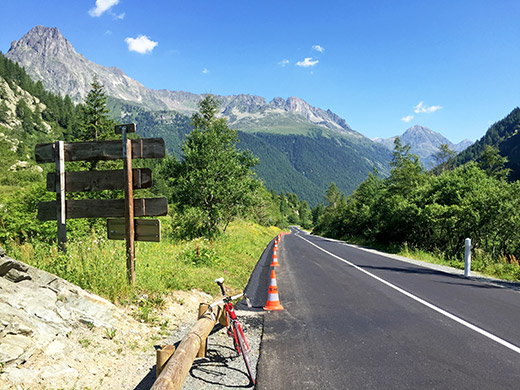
[(417, 212)]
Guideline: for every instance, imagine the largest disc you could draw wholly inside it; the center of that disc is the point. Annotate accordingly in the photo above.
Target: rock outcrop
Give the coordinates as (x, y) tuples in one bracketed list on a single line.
[(36, 308)]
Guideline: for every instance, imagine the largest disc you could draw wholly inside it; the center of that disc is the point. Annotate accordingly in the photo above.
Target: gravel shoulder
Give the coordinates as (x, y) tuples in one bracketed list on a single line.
[(222, 368)]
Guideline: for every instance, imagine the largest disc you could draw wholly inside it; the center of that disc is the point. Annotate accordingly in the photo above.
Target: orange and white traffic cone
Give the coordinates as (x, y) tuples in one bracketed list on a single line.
[(275, 263), (273, 302)]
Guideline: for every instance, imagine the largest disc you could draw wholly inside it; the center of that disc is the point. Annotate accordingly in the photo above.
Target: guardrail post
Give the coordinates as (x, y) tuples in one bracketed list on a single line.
[(162, 356), (467, 257), (203, 307)]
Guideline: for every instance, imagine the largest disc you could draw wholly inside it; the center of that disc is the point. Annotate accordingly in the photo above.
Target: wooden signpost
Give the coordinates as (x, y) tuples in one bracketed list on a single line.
[(127, 179)]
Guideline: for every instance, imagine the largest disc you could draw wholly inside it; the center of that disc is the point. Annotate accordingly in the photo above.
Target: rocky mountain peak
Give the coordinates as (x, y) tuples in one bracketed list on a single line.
[(44, 41), (420, 135), (298, 105), (47, 56), (423, 142), (278, 102), (244, 103)]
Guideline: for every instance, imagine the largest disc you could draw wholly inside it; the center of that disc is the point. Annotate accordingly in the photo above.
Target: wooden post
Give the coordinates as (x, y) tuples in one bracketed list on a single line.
[(129, 209), (222, 319), (203, 307), (59, 151), (162, 356)]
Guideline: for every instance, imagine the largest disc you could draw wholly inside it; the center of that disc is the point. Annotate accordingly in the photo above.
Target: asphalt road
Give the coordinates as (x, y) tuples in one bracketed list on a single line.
[(358, 320)]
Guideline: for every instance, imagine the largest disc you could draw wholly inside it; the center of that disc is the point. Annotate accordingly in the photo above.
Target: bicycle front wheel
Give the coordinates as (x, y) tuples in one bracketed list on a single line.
[(244, 350)]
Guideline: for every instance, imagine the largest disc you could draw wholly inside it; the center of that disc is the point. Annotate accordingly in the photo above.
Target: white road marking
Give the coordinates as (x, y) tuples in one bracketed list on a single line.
[(423, 302)]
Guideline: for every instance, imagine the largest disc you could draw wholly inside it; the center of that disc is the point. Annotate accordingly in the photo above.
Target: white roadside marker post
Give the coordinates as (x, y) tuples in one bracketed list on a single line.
[(467, 258)]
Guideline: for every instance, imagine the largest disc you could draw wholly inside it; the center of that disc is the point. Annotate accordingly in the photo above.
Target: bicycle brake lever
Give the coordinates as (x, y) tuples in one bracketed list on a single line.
[(247, 301)]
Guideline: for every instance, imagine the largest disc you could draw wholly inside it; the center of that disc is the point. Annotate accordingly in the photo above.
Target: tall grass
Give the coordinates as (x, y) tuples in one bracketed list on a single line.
[(99, 265)]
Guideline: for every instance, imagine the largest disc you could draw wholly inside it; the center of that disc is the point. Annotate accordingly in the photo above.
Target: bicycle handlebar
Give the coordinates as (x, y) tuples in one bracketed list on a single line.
[(228, 298)]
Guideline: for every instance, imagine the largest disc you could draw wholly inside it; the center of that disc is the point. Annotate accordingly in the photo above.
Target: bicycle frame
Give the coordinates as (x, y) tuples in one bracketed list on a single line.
[(233, 325)]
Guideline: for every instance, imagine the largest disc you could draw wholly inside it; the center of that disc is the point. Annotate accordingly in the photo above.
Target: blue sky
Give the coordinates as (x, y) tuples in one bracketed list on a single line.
[(452, 66)]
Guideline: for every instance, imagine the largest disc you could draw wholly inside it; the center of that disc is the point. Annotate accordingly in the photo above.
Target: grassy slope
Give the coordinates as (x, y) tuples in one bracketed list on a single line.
[(99, 265)]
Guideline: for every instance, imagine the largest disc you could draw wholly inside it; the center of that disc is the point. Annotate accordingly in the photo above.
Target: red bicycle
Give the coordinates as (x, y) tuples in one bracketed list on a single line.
[(233, 326)]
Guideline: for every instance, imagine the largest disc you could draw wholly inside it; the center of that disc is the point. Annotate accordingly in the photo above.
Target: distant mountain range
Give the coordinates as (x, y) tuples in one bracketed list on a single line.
[(424, 143), (302, 148)]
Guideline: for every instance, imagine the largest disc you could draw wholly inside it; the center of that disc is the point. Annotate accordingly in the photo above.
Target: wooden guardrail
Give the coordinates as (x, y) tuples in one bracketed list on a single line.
[(174, 373)]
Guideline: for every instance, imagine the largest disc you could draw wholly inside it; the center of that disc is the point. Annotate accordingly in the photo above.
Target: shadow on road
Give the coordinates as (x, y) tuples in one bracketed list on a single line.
[(483, 283)]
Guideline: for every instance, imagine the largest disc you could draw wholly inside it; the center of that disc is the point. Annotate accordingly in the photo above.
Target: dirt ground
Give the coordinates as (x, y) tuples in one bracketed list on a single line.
[(122, 357)]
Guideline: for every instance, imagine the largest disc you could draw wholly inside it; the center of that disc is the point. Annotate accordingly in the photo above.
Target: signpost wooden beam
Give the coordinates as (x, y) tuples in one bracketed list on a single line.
[(129, 206), (101, 150), (60, 195), (101, 180), (103, 208)]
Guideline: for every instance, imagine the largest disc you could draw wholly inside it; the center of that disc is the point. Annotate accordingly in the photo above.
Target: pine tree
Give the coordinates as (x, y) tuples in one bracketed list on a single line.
[(96, 123), (444, 159)]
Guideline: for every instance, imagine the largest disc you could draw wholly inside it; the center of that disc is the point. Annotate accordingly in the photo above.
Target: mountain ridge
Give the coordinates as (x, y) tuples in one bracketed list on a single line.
[(49, 57)]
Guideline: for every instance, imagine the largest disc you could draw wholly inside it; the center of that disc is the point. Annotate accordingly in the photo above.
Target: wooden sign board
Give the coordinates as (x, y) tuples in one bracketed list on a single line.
[(103, 208), (130, 128), (102, 150), (101, 180), (145, 229)]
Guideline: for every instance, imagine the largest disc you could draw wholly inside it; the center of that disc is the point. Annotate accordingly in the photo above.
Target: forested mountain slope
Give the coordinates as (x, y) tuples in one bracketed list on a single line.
[(296, 163), (502, 135), (28, 115)]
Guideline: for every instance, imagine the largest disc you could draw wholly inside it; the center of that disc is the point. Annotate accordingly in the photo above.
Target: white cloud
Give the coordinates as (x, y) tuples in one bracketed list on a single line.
[(120, 16), (407, 118), (319, 48), (422, 109), (307, 62), (284, 62), (142, 44), (101, 7), (205, 71)]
